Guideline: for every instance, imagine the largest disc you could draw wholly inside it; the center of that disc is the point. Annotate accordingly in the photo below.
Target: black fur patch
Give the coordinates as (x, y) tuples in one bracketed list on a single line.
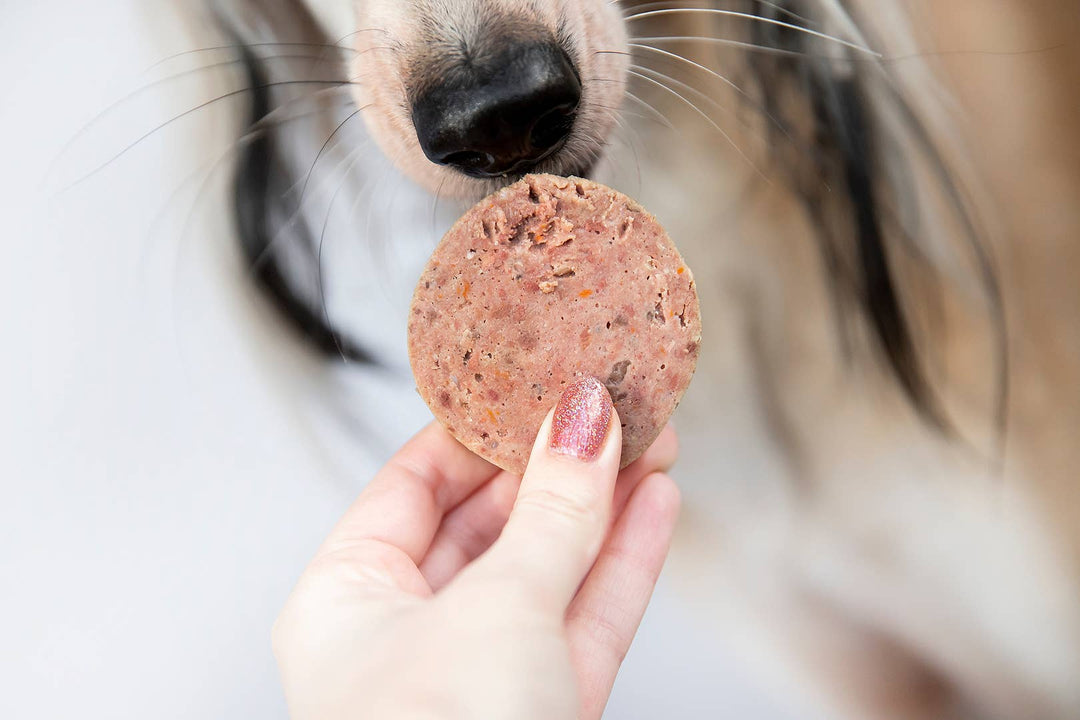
[(845, 156), (262, 200)]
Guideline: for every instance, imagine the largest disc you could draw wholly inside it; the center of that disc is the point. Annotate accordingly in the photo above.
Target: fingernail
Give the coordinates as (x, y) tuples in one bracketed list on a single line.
[(581, 420)]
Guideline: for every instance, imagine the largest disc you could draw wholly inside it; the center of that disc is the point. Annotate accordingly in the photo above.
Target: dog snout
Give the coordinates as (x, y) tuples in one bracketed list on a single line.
[(504, 116)]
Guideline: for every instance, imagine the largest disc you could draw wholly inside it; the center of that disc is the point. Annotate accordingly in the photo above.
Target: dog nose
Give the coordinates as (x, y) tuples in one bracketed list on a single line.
[(503, 116)]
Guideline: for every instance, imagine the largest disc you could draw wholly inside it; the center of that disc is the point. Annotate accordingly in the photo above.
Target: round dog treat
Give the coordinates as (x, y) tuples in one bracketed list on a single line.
[(546, 281)]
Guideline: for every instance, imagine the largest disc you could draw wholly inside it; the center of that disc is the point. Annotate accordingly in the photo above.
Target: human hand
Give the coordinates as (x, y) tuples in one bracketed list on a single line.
[(439, 595)]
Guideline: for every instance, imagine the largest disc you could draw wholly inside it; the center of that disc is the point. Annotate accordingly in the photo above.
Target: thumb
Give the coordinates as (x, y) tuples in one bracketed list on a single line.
[(563, 508)]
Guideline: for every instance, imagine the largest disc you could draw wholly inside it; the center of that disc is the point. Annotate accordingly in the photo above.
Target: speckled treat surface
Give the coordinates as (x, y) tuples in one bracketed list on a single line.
[(546, 281)]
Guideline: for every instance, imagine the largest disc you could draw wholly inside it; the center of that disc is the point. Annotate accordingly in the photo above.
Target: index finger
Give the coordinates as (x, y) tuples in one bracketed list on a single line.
[(404, 504), (563, 508)]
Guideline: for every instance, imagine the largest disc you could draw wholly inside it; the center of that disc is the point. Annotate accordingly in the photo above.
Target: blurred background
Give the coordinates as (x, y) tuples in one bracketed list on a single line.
[(163, 489)]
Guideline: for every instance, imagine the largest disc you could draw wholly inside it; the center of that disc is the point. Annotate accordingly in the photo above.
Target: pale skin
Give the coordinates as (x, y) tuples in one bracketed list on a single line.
[(453, 590)]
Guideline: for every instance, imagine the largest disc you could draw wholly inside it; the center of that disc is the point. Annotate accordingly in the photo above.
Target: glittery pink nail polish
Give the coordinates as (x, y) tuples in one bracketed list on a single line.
[(581, 420)]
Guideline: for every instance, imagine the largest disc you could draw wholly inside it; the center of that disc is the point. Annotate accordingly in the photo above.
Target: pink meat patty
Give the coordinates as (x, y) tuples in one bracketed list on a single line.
[(544, 282)]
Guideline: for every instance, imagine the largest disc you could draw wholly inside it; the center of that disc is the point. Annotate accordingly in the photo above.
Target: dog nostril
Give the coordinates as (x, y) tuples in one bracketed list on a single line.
[(552, 128), (469, 160), (501, 116)]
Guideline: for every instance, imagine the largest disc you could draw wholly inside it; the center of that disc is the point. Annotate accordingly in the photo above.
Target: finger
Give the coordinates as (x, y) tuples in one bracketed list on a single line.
[(471, 528), (604, 616), (563, 507), (660, 457), (404, 504)]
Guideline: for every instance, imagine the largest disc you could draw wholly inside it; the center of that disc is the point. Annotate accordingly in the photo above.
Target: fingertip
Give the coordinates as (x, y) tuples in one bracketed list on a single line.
[(659, 457), (667, 448), (564, 503), (582, 424), (662, 497), (669, 442)]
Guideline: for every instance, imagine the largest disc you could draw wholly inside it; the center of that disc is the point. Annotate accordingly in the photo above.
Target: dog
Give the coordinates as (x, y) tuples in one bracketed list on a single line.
[(879, 446)]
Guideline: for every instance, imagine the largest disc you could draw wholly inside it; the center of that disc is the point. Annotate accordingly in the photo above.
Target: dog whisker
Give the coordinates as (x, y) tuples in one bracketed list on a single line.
[(191, 111), (435, 206), (662, 118), (353, 158), (323, 56), (744, 45), (633, 147), (616, 113), (705, 97), (637, 157), (675, 4), (145, 89), (372, 203), (976, 53), (149, 86), (361, 31), (688, 61), (786, 12), (330, 139), (745, 95), (210, 166), (296, 214), (254, 132), (757, 18), (712, 40), (375, 245), (706, 117), (236, 47)]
